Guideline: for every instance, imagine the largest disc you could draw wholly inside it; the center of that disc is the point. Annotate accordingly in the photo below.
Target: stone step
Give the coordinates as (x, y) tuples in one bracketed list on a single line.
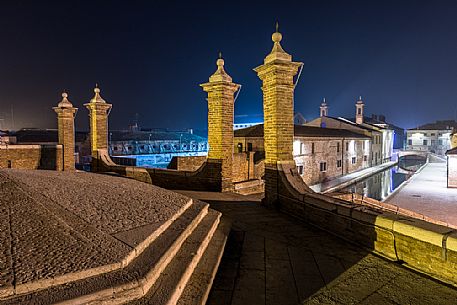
[(129, 282), (201, 281), (168, 289)]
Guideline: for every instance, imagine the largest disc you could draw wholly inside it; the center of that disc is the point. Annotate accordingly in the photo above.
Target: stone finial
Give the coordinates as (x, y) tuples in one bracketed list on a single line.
[(359, 100), (97, 97), (220, 75), (65, 103), (276, 36), (277, 53), (324, 102)]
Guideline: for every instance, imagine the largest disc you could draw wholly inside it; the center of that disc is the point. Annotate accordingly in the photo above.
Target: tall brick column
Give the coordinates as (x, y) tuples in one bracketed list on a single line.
[(221, 89), (99, 110), (66, 126), (277, 75)]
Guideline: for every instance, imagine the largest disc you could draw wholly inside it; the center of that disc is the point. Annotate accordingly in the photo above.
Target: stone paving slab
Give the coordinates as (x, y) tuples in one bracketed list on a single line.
[(322, 269), (57, 227)]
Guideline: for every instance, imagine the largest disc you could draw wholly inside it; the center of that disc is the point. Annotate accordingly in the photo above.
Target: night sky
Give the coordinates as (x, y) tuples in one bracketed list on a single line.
[(150, 56)]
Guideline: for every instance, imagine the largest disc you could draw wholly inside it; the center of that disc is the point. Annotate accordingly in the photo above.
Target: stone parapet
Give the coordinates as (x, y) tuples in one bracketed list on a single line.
[(418, 244), (32, 157)]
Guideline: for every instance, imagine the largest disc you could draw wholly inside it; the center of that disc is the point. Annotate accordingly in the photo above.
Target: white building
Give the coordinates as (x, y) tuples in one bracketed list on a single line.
[(434, 137)]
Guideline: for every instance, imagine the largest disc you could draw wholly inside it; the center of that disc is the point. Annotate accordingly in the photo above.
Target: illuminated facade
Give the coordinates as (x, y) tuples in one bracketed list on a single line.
[(374, 133), (434, 138), (320, 154)]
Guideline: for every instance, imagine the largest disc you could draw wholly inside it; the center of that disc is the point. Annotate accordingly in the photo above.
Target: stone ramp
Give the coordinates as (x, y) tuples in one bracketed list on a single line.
[(142, 268)]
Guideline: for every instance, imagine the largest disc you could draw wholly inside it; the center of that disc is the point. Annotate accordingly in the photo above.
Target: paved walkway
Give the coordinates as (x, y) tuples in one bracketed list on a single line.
[(426, 193), (344, 181), (271, 258)]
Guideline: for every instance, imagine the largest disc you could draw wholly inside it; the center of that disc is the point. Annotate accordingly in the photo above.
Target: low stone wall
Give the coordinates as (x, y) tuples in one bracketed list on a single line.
[(423, 246), (259, 169), (206, 178), (48, 157), (243, 167), (190, 163), (250, 187)]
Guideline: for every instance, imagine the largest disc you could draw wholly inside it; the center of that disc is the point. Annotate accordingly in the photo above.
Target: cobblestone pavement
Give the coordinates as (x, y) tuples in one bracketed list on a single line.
[(56, 223), (272, 258), (426, 193)]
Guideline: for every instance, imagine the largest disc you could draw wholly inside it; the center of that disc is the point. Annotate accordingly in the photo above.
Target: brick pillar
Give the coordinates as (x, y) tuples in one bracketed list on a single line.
[(66, 126), (99, 110), (277, 75), (221, 89)]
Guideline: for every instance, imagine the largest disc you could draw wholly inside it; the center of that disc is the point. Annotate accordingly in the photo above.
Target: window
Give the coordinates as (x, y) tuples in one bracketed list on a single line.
[(338, 163), (323, 166), (312, 148), (410, 142), (363, 144), (240, 147), (365, 158), (353, 160), (338, 147), (300, 169), (432, 134), (359, 110), (347, 146), (432, 142), (424, 142), (249, 146), (440, 142)]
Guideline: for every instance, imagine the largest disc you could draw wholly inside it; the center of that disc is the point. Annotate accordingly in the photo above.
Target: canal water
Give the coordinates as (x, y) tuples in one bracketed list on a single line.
[(379, 186)]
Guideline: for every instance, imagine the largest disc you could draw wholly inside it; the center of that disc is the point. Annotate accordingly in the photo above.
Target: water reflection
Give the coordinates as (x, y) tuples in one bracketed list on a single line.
[(382, 184)]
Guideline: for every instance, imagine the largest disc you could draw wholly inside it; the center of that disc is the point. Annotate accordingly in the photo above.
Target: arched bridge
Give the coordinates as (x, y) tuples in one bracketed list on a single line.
[(419, 153), (429, 156)]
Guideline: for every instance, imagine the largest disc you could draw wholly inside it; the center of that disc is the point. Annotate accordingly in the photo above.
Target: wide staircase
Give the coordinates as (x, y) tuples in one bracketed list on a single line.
[(176, 267)]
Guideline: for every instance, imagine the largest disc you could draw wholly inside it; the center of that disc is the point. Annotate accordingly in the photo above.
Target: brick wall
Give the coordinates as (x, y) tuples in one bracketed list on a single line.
[(190, 163), (243, 167), (330, 151), (31, 156)]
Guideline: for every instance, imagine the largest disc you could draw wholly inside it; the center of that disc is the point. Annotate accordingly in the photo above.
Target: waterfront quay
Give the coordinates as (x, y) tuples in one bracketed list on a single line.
[(426, 193)]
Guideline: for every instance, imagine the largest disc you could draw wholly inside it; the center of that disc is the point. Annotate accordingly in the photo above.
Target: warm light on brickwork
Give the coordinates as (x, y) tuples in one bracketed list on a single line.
[(221, 89), (65, 121), (277, 74), (98, 113)]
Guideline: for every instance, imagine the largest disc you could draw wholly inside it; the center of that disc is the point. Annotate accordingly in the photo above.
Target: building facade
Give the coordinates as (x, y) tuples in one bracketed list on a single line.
[(375, 135), (320, 154), (433, 137)]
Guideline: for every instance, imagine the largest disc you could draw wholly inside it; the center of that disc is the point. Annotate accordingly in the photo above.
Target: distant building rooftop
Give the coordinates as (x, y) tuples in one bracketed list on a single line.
[(36, 135), (438, 125), (155, 136), (302, 131)]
